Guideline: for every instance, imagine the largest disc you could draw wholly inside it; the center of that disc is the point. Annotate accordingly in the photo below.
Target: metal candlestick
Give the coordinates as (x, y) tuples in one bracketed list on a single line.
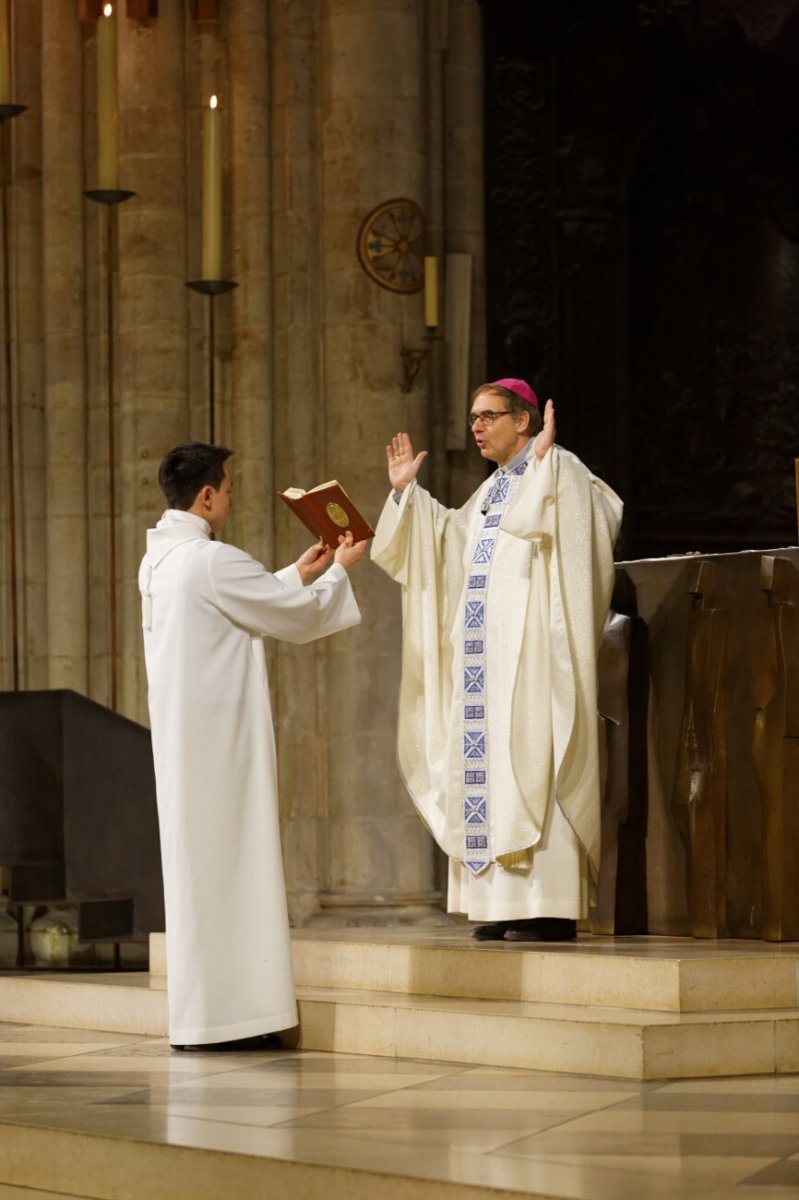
[(111, 197), (7, 113), (211, 288), (412, 359)]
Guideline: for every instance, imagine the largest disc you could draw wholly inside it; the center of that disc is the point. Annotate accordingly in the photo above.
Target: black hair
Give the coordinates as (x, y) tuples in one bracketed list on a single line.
[(188, 468), (515, 404)]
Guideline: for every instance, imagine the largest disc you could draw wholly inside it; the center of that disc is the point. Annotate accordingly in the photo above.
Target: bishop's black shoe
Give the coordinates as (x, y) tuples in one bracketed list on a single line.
[(495, 932), (542, 929), (498, 931)]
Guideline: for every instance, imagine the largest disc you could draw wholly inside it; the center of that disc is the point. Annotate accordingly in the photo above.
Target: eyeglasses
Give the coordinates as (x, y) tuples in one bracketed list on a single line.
[(488, 418)]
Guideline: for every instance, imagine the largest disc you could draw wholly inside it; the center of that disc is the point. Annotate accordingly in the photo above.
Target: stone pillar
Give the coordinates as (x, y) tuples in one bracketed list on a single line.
[(152, 342), (464, 208), (373, 148), (94, 299), (298, 672), (63, 310), (246, 420), (25, 197)]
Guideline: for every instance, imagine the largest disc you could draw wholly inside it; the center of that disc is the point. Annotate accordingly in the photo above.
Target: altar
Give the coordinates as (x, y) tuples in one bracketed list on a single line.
[(699, 699)]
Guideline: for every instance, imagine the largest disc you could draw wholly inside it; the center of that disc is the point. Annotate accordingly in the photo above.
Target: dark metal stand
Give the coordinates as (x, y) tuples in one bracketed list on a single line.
[(412, 360), (111, 197), (7, 113), (211, 288)]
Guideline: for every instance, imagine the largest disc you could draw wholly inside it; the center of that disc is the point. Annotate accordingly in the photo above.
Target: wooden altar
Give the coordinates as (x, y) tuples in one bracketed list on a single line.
[(699, 697)]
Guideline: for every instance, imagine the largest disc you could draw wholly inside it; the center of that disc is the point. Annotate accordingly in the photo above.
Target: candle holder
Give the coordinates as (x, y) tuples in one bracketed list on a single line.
[(211, 288), (412, 359), (7, 113), (111, 198), (108, 195)]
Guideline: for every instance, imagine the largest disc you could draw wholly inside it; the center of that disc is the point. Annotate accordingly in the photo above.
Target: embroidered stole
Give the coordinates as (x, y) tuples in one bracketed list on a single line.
[(476, 800)]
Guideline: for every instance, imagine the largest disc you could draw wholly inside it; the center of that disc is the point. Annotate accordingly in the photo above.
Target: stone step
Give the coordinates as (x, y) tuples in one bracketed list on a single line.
[(115, 1002), (587, 1039), (659, 974), (620, 1043), (246, 1161)]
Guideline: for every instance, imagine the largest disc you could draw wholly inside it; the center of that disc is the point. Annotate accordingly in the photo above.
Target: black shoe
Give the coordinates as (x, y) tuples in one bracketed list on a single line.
[(543, 929), (263, 1041), (494, 932)]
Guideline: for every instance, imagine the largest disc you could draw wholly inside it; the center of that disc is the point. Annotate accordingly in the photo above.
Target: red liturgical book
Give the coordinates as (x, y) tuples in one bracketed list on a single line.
[(328, 512)]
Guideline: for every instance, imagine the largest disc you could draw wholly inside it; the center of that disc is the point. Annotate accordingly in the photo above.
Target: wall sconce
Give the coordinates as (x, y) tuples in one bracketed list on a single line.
[(412, 359)]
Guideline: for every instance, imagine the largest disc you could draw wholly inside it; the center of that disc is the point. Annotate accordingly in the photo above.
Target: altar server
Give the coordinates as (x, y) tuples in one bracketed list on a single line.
[(205, 608), (503, 605)]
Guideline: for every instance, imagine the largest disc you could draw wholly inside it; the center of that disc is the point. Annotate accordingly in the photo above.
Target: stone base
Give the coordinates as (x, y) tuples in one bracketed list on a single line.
[(372, 916), (635, 1008)]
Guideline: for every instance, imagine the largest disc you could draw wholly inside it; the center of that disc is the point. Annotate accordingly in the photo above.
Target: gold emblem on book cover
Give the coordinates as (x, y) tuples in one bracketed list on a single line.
[(337, 515)]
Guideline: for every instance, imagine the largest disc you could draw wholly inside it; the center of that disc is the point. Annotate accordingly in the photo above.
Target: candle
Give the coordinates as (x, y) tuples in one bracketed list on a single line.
[(212, 192), (5, 54), (107, 103), (430, 292)]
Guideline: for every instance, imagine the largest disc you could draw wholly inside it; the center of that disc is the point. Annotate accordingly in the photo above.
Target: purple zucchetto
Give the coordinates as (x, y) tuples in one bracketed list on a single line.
[(519, 388)]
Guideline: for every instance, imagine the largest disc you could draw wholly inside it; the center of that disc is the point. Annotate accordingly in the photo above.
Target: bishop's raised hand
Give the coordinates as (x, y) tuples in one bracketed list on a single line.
[(403, 467), (546, 437)]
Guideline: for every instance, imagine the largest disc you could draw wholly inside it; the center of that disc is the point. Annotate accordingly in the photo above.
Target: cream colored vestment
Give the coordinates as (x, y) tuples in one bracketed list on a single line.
[(549, 587), (205, 608)]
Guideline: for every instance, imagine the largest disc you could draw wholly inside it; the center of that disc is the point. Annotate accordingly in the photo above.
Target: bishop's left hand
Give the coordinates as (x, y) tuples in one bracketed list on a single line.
[(546, 438), (314, 560)]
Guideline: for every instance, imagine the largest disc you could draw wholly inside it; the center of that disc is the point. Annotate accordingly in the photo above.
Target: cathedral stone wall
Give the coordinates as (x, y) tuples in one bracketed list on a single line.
[(329, 108)]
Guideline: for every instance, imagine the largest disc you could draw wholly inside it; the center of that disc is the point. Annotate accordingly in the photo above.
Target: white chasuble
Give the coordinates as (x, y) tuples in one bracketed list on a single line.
[(205, 608), (503, 605)]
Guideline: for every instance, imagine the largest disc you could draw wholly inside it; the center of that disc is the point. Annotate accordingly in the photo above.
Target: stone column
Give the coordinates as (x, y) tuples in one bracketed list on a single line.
[(63, 307), (464, 209), (152, 342), (298, 672), (246, 419), (373, 148), (24, 134)]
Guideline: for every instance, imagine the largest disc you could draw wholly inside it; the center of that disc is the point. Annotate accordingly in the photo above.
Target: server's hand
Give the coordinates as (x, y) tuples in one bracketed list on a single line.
[(314, 560), (349, 553)]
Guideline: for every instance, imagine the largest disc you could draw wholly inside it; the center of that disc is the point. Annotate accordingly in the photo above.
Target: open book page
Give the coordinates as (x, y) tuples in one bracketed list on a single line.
[(328, 512), (294, 493)]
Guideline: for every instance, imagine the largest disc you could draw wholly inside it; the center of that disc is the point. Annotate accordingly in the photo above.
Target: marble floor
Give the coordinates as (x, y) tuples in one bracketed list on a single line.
[(518, 1131)]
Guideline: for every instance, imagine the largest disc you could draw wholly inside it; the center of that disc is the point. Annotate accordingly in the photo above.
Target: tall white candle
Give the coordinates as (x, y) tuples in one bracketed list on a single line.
[(107, 102), (212, 192)]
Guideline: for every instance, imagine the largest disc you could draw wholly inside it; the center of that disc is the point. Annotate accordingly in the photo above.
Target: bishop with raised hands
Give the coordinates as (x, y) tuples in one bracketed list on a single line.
[(504, 601)]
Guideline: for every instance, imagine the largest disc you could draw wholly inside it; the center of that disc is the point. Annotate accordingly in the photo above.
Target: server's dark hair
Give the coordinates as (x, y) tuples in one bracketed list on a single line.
[(188, 468)]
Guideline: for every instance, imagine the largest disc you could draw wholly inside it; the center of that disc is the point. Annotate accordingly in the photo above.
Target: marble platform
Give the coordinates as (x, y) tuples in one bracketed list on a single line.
[(633, 1008), (119, 1117)]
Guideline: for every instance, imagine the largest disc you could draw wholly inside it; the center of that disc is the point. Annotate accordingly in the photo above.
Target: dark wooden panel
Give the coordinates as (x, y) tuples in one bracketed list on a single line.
[(642, 209), (77, 788)]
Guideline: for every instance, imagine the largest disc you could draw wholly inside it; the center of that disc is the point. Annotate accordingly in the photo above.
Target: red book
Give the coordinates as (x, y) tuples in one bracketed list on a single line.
[(328, 512)]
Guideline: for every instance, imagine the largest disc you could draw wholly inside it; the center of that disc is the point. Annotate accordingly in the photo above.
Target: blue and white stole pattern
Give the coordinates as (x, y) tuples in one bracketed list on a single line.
[(477, 850)]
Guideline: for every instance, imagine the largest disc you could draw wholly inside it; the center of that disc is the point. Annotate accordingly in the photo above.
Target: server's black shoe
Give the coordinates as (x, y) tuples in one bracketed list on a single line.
[(263, 1041)]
